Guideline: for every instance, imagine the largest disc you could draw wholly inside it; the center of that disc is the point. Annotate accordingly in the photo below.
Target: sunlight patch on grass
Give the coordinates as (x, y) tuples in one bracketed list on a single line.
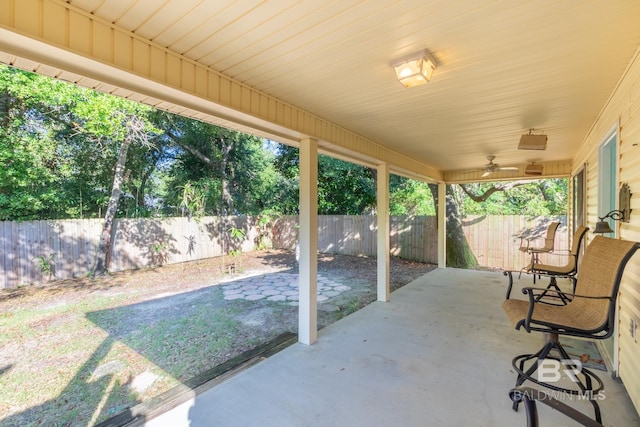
[(78, 359)]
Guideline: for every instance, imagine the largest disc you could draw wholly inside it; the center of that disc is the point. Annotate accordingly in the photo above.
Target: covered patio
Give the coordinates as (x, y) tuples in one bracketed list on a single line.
[(318, 76), (439, 353)]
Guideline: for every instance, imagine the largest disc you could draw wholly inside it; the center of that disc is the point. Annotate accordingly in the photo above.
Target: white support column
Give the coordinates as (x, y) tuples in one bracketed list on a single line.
[(442, 225), (383, 232), (308, 240)]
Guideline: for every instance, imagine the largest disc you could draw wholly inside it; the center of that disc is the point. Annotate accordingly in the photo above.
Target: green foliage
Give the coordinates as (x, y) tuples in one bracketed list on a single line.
[(59, 145), (344, 188), (236, 233), (266, 221), (159, 253), (46, 265), (535, 198), (410, 197), (194, 197)]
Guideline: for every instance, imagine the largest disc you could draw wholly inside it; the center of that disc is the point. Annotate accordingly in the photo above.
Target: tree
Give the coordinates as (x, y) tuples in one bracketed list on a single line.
[(55, 149), (31, 169), (541, 197), (343, 188), (410, 197), (232, 172), (135, 131), (522, 197), (51, 131)]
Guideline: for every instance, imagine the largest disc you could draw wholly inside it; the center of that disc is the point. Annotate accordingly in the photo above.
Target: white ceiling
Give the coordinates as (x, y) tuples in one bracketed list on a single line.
[(504, 66)]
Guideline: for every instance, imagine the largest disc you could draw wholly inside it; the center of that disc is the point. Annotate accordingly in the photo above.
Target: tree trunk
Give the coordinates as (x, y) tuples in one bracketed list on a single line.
[(5, 102), (459, 254), (104, 248), (227, 200), (140, 199)]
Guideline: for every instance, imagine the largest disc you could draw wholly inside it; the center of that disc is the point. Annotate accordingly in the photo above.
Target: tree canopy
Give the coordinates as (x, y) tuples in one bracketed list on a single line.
[(60, 146)]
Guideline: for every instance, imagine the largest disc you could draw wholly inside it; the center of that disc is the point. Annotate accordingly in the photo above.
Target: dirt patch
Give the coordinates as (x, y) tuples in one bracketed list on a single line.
[(152, 287), (97, 339)]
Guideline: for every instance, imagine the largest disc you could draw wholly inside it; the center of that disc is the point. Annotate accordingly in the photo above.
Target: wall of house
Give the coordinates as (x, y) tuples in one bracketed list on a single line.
[(623, 110)]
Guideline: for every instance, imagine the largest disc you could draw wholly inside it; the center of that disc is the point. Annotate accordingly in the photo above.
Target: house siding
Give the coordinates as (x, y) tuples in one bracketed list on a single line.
[(623, 110)]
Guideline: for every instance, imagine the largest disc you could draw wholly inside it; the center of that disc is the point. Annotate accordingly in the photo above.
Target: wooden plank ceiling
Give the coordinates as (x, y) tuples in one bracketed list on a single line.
[(503, 66)]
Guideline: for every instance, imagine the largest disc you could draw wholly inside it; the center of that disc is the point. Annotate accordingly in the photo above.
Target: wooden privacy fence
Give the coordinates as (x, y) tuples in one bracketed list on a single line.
[(495, 239), (413, 237), (37, 251)]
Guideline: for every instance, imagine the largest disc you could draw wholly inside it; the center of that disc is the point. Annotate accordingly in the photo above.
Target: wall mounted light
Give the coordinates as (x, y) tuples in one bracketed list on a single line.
[(603, 226), (621, 214), (414, 69)]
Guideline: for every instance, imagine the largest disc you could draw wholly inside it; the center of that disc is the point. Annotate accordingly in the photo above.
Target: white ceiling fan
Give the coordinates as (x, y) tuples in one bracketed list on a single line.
[(491, 167)]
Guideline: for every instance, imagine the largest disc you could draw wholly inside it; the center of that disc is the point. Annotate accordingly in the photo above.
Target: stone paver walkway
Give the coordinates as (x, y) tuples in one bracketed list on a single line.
[(278, 287)]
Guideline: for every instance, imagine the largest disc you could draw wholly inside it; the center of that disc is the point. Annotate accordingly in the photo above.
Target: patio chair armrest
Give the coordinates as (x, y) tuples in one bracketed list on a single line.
[(524, 244), (509, 274), (529, 396), (539, 250), (533, 292), (560, 252)]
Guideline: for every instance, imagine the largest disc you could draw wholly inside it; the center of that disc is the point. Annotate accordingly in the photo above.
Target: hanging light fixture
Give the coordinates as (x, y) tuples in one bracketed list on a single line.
[(603, 227), (414, 69), (623, 214)]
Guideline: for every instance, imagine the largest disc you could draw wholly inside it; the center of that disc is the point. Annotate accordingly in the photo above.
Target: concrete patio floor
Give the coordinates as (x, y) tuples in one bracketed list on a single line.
[(438, 354)]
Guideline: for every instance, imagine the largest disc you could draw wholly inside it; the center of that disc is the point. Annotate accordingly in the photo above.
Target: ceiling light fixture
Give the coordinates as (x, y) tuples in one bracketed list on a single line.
[(414, 69)]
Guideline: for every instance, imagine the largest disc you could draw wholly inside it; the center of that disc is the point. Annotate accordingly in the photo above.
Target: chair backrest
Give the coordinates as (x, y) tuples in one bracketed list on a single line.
[(550, 238), (578, 237), (600, 275)]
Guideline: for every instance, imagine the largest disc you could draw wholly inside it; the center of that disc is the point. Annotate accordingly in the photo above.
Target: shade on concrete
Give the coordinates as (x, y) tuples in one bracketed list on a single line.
[(439, 353)]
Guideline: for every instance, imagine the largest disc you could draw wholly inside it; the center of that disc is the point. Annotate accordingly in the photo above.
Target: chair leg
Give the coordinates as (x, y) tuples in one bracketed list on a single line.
[(534, 257), (553, 286), (574, 282), (585, 386)]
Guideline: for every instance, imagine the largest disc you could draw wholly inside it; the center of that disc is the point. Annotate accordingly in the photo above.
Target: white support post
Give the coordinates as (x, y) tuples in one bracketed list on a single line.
[(442, 225), (308, 240), (383, 244)]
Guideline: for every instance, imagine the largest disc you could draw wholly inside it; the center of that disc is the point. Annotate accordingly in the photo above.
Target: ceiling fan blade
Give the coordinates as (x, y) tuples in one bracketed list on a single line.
[(486, 173), (509, 168)]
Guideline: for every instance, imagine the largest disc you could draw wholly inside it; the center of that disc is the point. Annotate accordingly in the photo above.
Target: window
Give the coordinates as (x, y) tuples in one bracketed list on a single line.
[(579, 207), (608, 176)]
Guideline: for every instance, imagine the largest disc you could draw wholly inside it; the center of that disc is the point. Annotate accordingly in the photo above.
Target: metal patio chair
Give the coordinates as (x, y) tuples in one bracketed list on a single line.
[(535, 251), (568, 271), (589, 314)]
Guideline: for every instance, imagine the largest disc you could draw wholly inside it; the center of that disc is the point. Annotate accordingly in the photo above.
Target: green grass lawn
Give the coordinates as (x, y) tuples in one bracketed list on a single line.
[(73, 353), (73, 362)]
